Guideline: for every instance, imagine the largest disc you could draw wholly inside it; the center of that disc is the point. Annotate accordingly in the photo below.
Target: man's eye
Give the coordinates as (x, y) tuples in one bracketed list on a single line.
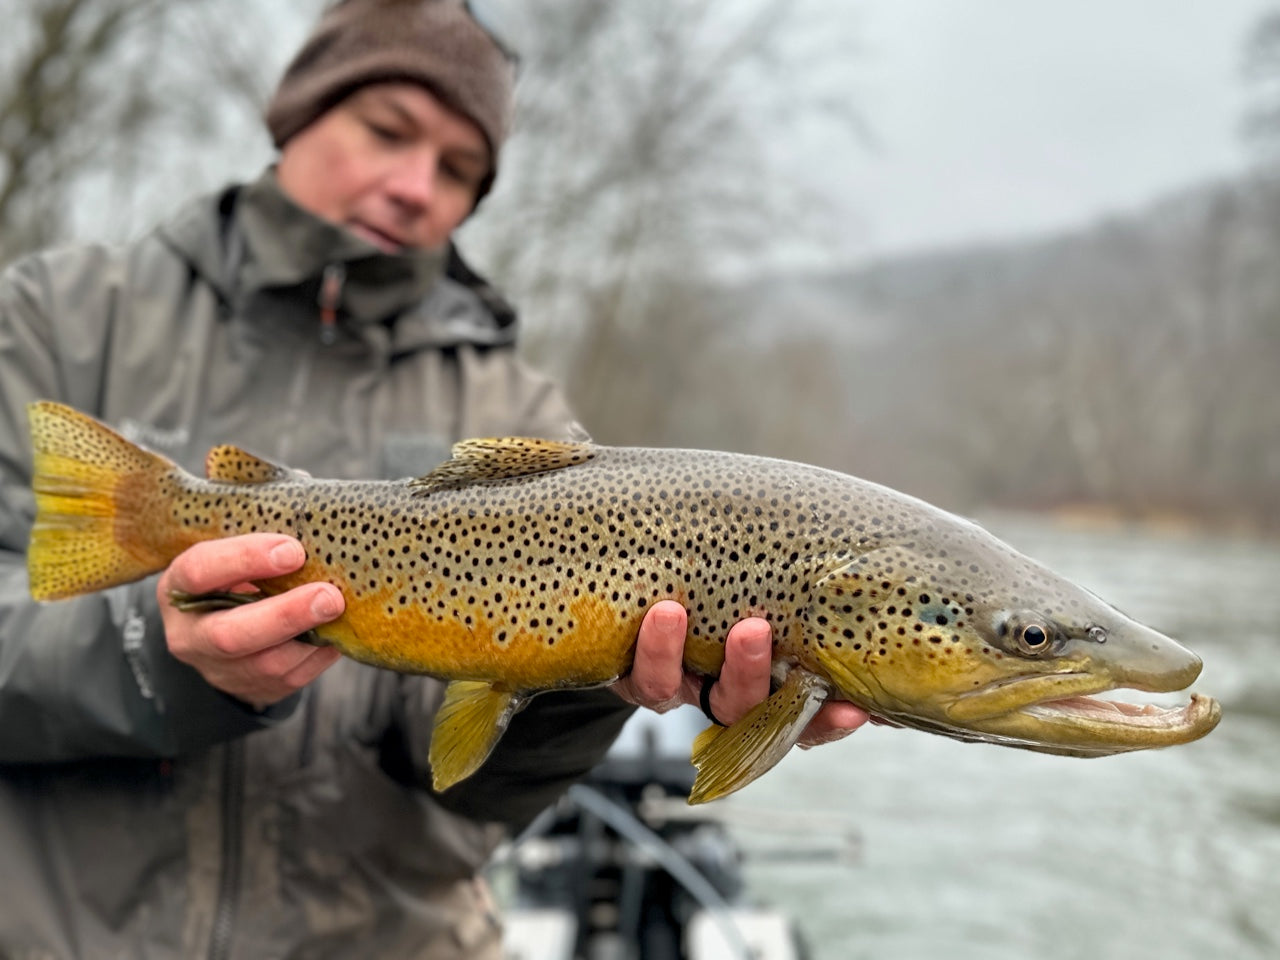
[(384, 132), (459, 174)]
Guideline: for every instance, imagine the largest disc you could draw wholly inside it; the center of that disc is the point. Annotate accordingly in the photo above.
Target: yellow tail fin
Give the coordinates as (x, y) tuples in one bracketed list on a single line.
[(94, 491)]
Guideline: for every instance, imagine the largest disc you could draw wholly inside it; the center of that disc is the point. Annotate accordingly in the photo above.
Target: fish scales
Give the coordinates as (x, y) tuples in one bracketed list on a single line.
[(540, 581), (523, 565)]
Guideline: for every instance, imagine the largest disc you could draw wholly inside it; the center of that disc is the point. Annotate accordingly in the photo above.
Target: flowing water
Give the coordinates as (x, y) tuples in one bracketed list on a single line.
[(973, 851)]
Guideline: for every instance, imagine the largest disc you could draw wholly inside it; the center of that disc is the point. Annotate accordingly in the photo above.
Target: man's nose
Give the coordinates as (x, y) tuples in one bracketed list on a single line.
[(412, 183)]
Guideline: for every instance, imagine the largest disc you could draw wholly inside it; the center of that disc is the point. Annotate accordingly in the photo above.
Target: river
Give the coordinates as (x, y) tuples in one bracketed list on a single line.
[(975, 852)]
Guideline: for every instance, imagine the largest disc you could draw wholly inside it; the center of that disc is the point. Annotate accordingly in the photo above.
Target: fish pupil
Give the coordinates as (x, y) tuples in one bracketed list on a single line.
[(1033, 636)]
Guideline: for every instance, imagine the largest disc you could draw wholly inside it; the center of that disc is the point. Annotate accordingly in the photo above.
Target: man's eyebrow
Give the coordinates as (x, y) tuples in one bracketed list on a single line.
[(403, 112), (478, 156)]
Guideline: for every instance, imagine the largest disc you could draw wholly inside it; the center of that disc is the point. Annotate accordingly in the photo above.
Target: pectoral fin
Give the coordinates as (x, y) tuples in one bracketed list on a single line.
[(229, 600), (209, 602), (728, 758), (470, 721)]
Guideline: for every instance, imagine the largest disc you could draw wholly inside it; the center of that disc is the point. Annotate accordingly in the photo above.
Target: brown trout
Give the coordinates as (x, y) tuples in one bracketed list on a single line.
[(525, 565)]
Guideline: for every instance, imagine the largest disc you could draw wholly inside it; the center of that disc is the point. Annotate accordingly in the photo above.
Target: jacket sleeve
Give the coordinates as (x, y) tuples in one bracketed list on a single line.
[(90, 676)]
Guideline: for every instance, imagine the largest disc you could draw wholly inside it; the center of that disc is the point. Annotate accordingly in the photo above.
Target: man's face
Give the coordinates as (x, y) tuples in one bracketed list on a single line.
[(390, 163)]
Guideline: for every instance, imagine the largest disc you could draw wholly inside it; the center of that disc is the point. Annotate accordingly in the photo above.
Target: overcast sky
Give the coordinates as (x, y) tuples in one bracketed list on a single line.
[(995, 118), (989, 118)]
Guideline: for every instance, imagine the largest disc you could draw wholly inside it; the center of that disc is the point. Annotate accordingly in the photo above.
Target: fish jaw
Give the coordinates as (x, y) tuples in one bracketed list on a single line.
[(1128, 655), (1061, 713), (887, 648), (1005, 697), (1094, 727), (1067, 723)]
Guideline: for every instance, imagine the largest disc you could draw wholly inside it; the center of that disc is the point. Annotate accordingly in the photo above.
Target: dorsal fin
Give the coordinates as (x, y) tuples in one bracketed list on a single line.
[(228, 464), (502, 458)]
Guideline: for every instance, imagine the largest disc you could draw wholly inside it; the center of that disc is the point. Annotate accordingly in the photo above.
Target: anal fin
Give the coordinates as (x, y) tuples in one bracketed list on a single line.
[(470, 721), (728, 758)]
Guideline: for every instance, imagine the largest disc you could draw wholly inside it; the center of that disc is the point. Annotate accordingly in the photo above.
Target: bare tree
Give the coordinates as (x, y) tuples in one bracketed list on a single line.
[(102, 99), (1261, 65), (645, 157), (643, 160)]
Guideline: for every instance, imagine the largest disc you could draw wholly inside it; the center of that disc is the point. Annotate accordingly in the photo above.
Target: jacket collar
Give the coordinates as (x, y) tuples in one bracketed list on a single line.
[(257, 240)]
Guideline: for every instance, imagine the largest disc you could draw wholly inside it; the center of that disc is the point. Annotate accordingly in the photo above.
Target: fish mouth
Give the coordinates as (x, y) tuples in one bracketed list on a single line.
[(1011, 694), (1191, 716), (1089, 726), (1063, 711)]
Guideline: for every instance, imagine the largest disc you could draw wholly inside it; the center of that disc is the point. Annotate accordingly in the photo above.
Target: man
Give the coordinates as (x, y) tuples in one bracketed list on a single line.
[(175, 784)]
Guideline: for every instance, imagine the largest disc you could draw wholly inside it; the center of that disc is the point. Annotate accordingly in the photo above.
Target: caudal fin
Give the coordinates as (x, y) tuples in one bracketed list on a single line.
[(94, 492)]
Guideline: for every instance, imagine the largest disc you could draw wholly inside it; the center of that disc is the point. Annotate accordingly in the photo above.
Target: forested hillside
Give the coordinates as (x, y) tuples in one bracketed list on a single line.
[(1133, 364)]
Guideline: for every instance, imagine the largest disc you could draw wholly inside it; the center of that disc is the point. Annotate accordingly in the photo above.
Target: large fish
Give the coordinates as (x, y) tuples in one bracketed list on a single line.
[(525, 565)]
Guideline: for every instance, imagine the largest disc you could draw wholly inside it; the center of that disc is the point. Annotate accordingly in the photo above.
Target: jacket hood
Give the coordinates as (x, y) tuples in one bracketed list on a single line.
[(253, 238)]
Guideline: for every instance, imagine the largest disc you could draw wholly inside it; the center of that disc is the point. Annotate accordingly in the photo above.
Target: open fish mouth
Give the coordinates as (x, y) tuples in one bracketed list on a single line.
[(1191, 716), (1090, 726), (1068, 714)]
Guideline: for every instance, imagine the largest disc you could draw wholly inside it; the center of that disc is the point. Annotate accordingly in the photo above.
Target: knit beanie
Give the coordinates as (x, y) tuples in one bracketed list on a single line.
[(436, 43)]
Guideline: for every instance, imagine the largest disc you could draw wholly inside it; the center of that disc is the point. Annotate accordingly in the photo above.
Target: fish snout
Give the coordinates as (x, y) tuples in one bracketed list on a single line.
[(1145, 659)]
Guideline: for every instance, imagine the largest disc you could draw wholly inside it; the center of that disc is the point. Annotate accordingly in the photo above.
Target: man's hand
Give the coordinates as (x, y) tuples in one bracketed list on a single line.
[(248, 651), (659, 681)]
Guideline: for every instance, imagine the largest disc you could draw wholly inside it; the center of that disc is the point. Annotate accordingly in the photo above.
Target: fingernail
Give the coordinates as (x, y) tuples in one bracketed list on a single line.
[(832, 737), (325, 605), (287, 556), (758, 645), (669, 616)]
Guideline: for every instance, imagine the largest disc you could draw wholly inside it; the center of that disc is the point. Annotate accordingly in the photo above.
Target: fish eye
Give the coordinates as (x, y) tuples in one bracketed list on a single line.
[(1033, 638)]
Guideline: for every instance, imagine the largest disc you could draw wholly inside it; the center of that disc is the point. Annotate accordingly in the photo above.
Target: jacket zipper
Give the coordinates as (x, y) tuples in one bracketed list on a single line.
[(306, 751), (330, 298), (224, 916)]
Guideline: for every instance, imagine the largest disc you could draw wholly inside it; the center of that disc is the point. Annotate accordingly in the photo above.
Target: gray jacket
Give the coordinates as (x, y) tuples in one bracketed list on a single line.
[(144, 814)]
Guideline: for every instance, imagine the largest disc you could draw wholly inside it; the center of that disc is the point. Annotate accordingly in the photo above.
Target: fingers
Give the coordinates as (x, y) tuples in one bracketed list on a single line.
[(283, 669), (659, 681), (835, 721), (312, 662), (249, 651), (257, 626), (221, 564), (657, 673), (745, 675), (271, 675), (745, 680)]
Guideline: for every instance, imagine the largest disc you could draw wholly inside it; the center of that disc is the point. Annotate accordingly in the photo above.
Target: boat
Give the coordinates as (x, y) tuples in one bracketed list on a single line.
[(622, 868)]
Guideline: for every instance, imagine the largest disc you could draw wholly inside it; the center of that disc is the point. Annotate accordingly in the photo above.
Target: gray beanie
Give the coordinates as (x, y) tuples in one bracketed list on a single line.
[(435, 43)]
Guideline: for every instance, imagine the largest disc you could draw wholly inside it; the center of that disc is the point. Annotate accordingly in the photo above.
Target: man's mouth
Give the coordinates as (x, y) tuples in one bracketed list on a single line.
[(384, 241)]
